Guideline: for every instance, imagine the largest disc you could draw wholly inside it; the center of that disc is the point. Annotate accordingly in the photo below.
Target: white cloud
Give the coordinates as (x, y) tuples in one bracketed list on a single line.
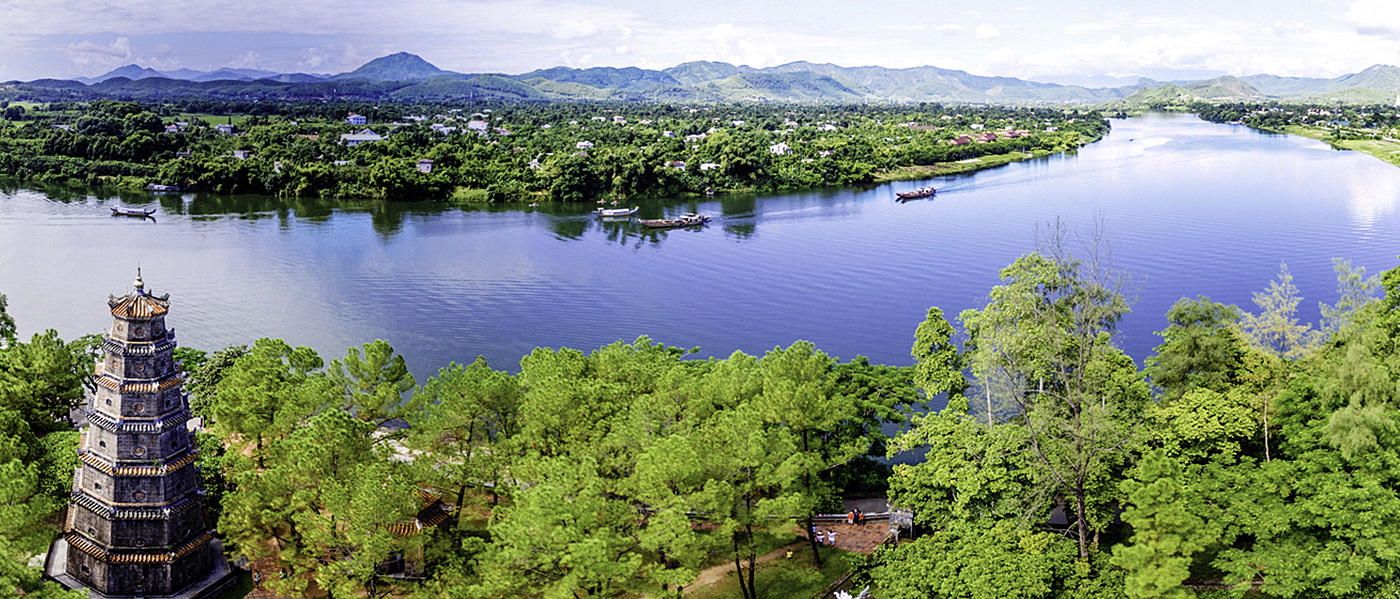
[(117, 53), (986, 31), (1380, 18), (728, 44), (569, 29), (313, 58), (251, 60), (1078, 28), (1201, 50)]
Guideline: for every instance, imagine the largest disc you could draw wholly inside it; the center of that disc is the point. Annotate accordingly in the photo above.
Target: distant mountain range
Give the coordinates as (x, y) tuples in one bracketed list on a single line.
[(408, 77)]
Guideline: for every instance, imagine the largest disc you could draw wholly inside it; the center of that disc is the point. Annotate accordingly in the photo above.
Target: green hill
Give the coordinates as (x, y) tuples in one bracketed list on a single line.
[(1224, 89), (630, 78), (396, 67), (701, 71)]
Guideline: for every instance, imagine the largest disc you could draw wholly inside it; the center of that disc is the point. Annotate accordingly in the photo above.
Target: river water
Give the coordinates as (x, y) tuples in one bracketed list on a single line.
[(1192, 208)]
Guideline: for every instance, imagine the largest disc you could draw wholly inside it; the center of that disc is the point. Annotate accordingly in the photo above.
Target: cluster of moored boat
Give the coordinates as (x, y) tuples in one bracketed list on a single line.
[(689, 219)]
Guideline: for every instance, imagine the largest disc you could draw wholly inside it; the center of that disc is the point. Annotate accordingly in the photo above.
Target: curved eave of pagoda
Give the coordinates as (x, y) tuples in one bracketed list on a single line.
[(139, 306), (176, 417), (77, 541), (138, 348), (120, 385)]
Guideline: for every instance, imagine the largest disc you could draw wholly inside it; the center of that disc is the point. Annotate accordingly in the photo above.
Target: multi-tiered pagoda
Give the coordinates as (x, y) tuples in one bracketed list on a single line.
[(136, 522)]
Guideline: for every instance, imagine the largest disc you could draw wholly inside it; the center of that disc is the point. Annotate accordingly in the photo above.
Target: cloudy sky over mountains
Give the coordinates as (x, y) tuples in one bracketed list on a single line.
[(1061, 40)]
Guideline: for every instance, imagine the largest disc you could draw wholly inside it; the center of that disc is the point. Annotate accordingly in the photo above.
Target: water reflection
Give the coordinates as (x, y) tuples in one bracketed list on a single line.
[(1372, 194)]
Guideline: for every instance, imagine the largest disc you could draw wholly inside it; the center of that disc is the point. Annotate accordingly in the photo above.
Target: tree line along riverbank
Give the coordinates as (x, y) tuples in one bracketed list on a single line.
[(1250, 453), (517, 152)]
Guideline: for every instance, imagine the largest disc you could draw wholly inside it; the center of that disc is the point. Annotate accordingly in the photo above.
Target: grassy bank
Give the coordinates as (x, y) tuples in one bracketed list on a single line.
[(1386, 150), (782, 578), (913, 173)]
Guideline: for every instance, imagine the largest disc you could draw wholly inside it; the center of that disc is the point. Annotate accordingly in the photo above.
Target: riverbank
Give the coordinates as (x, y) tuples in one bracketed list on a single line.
[(1384, 148), (919, 172)]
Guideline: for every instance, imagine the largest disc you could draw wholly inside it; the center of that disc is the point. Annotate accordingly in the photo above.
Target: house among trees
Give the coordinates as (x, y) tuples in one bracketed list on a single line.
[(780, 148), (425, 166), (224, 129), (355, 119), (359, 137)]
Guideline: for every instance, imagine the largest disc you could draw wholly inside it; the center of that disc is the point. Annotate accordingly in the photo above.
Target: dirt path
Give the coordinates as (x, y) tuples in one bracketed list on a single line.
[(712, 575)]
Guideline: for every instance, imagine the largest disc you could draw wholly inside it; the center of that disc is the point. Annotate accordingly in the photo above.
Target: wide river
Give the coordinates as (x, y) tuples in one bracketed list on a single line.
[(1192, 208)]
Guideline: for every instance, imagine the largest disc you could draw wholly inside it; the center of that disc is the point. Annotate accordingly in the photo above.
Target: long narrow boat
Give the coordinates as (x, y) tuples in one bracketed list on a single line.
[(922, 192), (689, 219), (132, 213), (158, 187), (606, 212)]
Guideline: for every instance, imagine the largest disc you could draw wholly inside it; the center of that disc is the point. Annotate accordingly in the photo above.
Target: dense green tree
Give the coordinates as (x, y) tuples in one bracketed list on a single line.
[(203, 379), (268, 392), (374, 383), (1200, 348), (44, 379), (1045, 336), (462, 421), (1276, 330), (1165, 532)]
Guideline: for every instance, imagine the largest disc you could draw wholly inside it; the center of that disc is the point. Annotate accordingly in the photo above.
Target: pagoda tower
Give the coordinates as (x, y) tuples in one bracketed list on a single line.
[(136, 522)]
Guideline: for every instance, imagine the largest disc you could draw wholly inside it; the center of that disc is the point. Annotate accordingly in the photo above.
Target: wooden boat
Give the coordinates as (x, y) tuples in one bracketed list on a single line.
[(132, 213), (922, 192), (689, 219), (606, 212)]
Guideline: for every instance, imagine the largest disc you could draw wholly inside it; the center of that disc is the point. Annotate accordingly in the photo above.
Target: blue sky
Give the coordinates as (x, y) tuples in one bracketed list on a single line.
[(1065, 40)]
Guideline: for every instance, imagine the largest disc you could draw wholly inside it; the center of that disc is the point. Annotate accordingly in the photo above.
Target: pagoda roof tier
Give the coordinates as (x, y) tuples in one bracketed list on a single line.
[(92, 460), (86, 546), (139, 385), (139, 305), (138, 348), (172, 419), (114, 512)]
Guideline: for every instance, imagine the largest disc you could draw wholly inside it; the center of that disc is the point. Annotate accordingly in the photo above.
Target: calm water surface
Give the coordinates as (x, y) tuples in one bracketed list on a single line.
[(1193, 208)]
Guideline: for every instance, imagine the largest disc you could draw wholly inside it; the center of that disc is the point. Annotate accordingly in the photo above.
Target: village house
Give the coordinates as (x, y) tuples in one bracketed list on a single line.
[(780, 148), (360, 137), (707, 166), (425, 166), (479, 127), (242, 154), (583, 145), (676, 164), (355, 119), (224, 129), (961, 140)]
